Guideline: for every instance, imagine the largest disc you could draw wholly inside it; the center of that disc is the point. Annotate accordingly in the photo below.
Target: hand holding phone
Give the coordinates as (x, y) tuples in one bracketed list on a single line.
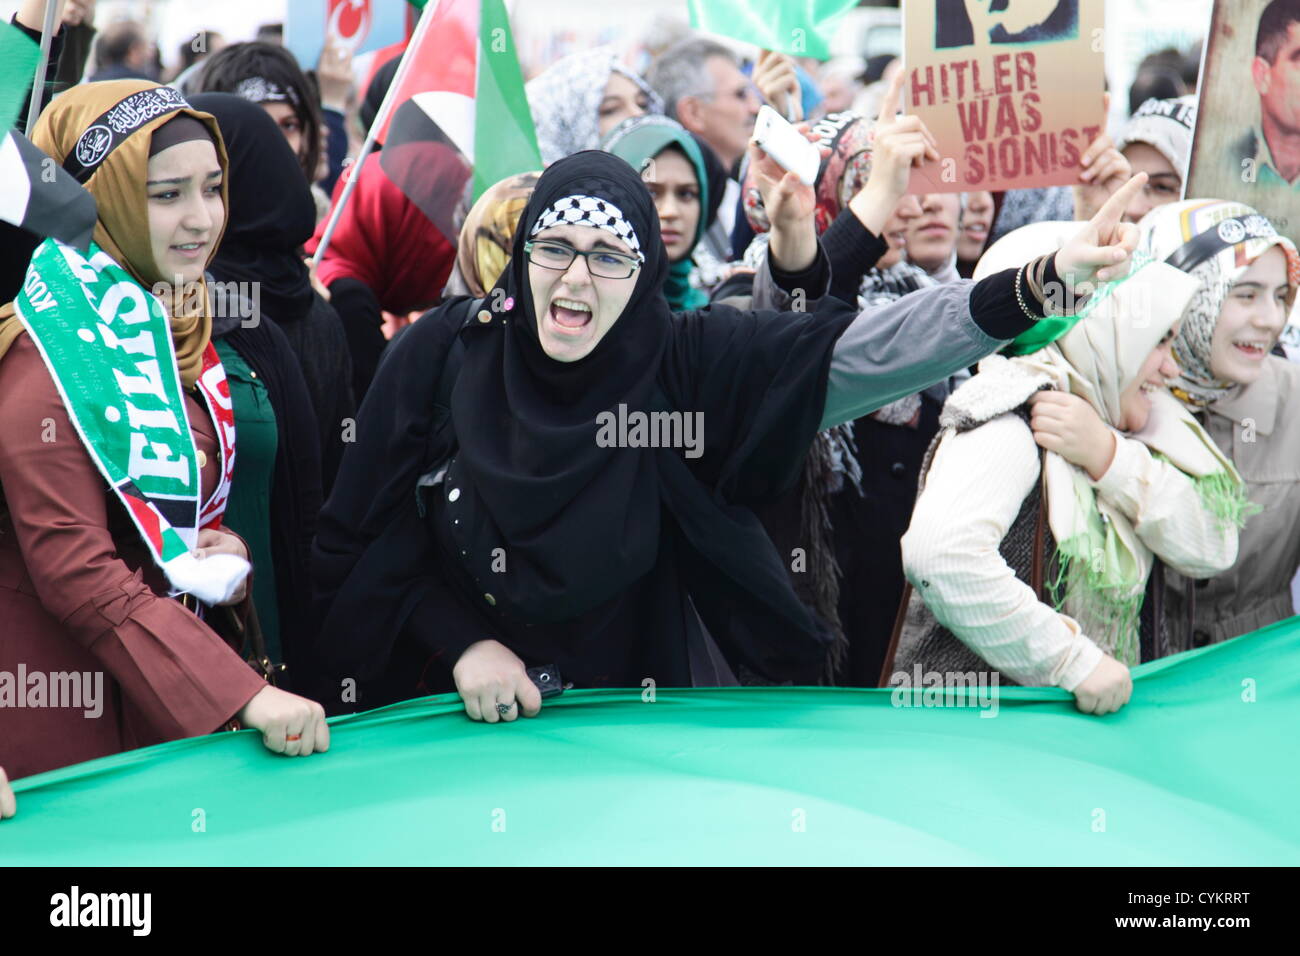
[(791, 150)]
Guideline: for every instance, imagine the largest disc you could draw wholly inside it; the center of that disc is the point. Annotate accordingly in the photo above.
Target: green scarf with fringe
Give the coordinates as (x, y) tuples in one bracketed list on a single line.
[(1103, 565)]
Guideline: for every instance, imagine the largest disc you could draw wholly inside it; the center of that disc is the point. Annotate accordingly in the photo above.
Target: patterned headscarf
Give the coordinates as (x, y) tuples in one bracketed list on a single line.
[(483, 248), (595, 211), (258, 89), (565, 101), (1214, 242)]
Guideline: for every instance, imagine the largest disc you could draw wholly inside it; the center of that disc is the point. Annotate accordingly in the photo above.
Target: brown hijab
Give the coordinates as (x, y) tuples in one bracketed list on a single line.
[(118, 185)]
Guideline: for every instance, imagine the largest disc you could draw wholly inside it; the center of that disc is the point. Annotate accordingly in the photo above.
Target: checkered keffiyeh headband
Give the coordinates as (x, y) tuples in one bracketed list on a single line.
[(589, 211)]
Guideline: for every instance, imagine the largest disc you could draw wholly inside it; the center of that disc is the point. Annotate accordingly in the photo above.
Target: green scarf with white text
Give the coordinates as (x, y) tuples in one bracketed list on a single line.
[(108, 347)]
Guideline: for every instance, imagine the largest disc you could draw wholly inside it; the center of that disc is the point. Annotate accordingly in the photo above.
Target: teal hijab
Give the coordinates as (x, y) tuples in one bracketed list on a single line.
[(639, 140)]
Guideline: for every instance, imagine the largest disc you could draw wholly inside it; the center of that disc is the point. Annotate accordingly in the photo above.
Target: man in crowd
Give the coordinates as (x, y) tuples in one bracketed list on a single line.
[(1273, 148), (702, 88), (123, 52)]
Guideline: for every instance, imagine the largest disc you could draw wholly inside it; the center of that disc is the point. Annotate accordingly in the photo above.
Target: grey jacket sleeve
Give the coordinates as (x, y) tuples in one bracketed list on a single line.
[(771, 296), (768, 296), (894, 350)]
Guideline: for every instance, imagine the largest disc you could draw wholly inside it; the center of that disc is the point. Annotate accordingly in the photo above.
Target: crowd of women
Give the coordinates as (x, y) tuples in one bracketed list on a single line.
[(1095, 410)]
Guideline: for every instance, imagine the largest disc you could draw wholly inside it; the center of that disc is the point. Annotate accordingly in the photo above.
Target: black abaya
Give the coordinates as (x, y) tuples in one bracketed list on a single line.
[(605, 549)]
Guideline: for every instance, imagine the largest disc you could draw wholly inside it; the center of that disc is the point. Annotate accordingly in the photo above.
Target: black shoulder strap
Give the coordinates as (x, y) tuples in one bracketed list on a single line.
[(455, 355)]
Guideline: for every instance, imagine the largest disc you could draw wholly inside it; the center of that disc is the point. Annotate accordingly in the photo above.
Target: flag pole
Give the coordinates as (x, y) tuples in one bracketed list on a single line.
[(387, 106), (38, 85)]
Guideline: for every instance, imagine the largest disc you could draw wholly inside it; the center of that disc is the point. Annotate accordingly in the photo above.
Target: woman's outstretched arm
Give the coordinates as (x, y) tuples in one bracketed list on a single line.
[(922, 338)]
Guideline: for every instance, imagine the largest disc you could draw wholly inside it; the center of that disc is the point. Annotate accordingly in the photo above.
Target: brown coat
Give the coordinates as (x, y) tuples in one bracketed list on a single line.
[(1259, 427), (80, 593)]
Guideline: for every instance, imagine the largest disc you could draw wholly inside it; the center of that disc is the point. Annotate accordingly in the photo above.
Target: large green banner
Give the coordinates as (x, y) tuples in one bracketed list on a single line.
[(1199, 769)]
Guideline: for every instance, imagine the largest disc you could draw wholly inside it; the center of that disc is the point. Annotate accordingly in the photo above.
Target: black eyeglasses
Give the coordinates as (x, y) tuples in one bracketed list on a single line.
[(558, 256)]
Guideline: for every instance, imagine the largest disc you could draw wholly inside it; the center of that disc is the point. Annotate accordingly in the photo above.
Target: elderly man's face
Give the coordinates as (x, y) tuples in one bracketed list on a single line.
[(1278, 83), (723, 115)]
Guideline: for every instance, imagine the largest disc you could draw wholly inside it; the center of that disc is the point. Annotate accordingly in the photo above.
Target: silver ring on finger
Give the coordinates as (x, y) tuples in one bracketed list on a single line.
[(504, 709)]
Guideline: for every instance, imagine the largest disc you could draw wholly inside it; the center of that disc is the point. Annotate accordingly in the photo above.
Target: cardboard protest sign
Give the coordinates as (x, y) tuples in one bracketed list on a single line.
[(359, 25), (1247, 142), (1011, 89)]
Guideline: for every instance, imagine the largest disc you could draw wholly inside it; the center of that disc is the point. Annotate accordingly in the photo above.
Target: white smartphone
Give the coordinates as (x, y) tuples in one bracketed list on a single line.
[(785, 144)]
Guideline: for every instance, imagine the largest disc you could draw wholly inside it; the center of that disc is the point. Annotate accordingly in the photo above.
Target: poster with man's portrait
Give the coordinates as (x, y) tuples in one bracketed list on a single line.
[(1247, 143), (1011, 89)]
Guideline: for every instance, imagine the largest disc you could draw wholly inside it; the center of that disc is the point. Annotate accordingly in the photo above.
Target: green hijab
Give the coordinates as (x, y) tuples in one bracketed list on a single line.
[(638, 141)]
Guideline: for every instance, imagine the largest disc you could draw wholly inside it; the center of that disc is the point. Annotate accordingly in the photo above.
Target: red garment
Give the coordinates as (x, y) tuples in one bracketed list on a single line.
[(79, 592), (384, 241)]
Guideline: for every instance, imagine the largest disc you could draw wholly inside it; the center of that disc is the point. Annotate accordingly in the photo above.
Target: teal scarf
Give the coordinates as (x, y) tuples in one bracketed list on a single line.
[(640, 140)]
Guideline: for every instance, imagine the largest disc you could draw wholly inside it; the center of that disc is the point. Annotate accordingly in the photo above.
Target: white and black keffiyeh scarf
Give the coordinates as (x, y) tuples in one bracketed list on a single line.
[(590, 211)]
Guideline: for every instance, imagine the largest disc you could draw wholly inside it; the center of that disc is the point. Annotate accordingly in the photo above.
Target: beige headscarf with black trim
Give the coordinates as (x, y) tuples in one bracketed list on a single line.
[(122, 230)]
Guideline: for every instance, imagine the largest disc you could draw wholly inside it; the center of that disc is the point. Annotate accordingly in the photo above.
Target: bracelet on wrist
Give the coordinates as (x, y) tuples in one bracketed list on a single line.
[(1020, 298)]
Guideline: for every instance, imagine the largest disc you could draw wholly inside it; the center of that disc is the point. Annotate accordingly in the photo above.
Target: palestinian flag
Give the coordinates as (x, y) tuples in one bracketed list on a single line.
[(457, 111), (41, 196)]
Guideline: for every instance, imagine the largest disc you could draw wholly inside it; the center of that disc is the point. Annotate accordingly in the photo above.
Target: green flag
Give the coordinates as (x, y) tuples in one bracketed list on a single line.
[(1198, 769), (505, 141), (797, 27), (18, 56)]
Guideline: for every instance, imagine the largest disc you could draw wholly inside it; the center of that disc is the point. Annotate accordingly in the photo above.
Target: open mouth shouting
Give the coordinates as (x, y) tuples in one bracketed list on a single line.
[(569, 316)]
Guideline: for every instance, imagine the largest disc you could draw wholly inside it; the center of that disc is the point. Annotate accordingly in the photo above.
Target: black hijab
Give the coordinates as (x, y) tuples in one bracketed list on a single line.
[(271, 211), (579, 524), (376, 91), (538, 485), (263, 229)]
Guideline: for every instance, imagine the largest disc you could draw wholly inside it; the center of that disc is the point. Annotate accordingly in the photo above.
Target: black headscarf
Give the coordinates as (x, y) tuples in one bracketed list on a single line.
[(580, 524), (265, 226), (540, 487), (271, 210), (376, 91)]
